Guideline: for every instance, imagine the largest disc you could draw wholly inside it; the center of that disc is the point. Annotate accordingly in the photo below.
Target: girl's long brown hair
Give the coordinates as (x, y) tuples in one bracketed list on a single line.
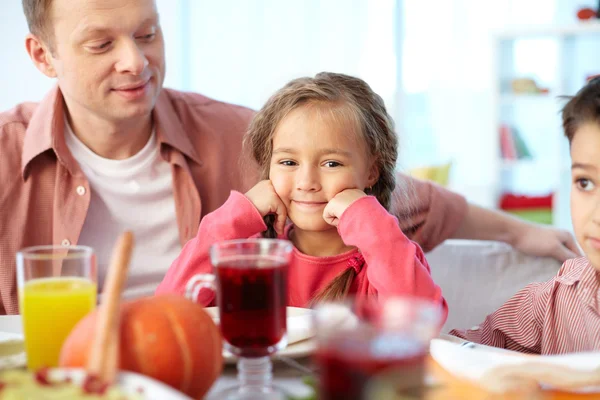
[(358, 102)]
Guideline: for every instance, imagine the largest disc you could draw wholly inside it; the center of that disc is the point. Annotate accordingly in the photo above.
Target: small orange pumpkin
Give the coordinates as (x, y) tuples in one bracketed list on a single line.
[(168, 338)]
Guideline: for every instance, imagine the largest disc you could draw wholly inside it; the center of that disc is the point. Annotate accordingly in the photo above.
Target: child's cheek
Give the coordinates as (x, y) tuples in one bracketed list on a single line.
[(283, 186)]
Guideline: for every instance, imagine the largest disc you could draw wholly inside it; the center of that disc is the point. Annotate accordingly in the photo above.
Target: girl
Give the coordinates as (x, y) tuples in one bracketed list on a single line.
[(327, 149)]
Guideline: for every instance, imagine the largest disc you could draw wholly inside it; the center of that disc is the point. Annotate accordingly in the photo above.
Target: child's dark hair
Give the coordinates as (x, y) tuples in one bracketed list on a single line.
[(342, 94), (582, 108)]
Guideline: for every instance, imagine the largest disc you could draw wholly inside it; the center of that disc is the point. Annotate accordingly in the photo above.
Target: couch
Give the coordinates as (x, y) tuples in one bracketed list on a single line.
[(477, 277)]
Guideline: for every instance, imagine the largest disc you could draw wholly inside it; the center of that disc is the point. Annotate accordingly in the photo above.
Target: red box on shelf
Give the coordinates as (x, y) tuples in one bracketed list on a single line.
[(510, 201)]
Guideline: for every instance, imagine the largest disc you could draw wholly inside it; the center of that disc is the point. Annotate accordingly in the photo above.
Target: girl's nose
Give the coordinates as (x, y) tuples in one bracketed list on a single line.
[(307, 179)]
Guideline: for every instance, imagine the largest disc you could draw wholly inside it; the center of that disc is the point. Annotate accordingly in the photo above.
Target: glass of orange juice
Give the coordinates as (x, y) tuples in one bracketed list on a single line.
[(57, 287)]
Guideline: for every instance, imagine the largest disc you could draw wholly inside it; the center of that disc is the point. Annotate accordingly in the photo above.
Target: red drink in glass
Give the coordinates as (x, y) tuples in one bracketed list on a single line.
[(250, 280), (358, 374), (252, 303), (371, 348)]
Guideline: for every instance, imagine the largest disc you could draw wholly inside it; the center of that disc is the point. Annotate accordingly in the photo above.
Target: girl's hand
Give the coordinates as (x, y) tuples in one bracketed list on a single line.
[(340, 202), (267, 202)]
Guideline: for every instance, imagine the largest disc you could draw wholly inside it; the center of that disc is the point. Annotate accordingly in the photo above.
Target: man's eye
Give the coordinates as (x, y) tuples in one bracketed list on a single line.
[(103, 45), (149, 36)]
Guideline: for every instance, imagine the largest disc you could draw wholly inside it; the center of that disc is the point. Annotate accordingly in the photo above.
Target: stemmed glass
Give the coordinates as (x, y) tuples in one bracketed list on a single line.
[(250, 281)]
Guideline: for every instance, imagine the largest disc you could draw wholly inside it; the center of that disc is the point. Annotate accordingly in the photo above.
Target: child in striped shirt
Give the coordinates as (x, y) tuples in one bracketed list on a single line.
[(562, 315)]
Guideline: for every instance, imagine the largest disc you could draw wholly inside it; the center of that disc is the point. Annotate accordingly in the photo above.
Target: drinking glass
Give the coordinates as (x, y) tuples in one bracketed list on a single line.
[(57, 287), (374, 349), (250, 281)]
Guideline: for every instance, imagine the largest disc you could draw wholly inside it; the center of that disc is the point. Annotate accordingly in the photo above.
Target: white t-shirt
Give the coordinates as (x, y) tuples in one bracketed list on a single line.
[(134, 194)]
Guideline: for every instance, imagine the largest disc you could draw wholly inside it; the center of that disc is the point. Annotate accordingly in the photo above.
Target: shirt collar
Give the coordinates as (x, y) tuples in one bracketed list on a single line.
[(589, 287), (169, 129), (46, 131), (587, 281), (41, 136)]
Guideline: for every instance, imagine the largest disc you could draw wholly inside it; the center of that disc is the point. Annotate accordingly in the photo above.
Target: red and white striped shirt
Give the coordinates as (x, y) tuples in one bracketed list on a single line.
[(558, 316)]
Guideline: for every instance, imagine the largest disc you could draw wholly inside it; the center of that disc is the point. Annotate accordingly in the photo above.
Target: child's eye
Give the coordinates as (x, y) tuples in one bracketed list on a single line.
[(287, 163), (584, 184), (331, 164)]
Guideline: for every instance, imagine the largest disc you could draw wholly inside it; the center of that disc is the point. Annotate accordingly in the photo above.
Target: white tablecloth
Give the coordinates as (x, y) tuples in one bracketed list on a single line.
[(11, 324)]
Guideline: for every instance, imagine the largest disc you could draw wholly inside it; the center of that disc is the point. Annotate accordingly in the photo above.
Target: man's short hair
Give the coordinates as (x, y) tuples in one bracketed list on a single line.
[(37, 13)]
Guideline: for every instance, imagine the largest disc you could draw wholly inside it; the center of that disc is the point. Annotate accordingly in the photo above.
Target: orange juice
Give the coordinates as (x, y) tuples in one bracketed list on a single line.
[(50, 308)]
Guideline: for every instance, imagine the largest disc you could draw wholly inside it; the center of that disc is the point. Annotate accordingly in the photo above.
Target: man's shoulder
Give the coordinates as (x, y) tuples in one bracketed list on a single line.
[(17, 117), (13, 125), (199, 109)]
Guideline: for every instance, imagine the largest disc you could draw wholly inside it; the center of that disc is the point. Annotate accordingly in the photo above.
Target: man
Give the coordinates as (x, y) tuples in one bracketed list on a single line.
[(109, 150)]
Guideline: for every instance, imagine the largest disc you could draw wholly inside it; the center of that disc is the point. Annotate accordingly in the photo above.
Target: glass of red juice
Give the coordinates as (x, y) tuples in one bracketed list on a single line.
[(374, 349), (250, 281)]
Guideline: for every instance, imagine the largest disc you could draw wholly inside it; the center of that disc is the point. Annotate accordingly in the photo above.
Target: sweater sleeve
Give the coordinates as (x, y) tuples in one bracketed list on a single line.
[(395, 265), (236, 219)]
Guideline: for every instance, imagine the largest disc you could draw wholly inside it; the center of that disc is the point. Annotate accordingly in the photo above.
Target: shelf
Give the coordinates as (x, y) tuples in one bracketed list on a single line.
[(583, 28), (565, 56), (508, 98), (546, 164), (507, 164)]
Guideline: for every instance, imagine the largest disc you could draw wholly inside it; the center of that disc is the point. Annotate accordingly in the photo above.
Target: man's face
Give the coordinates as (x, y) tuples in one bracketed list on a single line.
[(108, 56)]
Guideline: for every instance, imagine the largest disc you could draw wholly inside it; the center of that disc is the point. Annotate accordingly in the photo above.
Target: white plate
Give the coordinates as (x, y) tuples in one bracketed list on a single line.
[(301, 340), (12, 350), (473, 363), (129, 382)]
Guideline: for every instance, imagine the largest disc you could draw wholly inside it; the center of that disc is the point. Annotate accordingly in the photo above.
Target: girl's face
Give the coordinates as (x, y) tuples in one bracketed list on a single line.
[(585, 190), (316, 155)]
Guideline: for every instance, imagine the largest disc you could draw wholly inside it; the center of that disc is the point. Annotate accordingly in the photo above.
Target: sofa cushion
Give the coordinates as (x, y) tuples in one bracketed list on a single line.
[(477, 277)]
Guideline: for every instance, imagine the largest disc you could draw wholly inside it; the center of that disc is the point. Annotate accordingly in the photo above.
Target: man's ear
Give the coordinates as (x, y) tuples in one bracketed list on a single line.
[(40, 54)]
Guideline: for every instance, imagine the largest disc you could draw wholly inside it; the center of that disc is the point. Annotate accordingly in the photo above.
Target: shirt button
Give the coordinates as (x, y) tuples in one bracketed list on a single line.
[(66, 242), (474, 328), (135, 186), (80, 190)]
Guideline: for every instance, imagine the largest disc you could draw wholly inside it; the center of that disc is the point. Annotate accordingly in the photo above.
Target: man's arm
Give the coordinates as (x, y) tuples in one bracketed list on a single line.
[(483, 224), (430, 214)]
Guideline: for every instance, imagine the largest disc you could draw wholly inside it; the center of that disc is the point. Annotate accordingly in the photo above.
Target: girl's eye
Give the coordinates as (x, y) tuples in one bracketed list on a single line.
[(287, 163), (584, 184), (332, 164)]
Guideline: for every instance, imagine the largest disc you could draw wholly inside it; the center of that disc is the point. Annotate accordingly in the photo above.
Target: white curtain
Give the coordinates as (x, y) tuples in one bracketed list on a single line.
[(440, 94), (243, 51)]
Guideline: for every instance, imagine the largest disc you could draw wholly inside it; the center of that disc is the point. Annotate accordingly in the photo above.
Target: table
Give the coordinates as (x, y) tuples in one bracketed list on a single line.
[(447, 386)]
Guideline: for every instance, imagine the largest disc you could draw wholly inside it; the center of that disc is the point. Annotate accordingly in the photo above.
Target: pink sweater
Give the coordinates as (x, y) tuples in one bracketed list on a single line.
[(387, 264)]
